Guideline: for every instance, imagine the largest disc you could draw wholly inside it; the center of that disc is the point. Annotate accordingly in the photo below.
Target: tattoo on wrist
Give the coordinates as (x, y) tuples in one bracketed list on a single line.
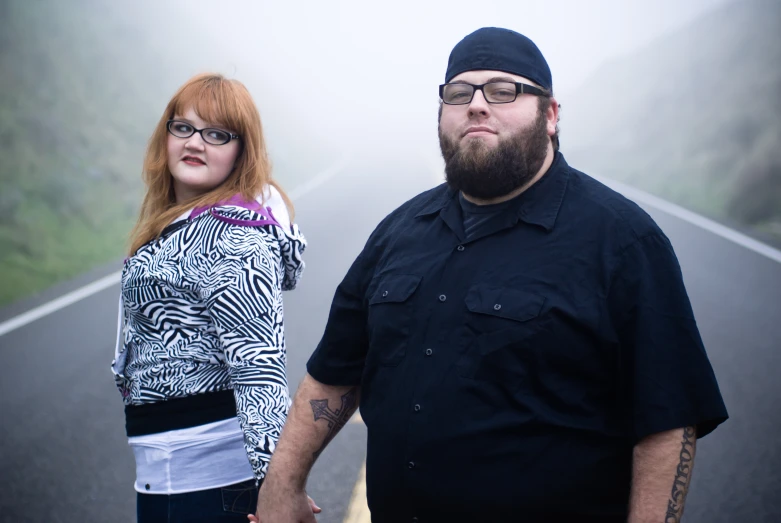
[(683, 476), (336, 418)]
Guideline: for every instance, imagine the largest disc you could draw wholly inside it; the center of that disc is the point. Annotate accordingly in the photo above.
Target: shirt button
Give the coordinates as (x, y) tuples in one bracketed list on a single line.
[(497, 306), (411, 464), (147, 486), (417, 408), (442, 297), (385, 293), (429, 352), (460, 248)]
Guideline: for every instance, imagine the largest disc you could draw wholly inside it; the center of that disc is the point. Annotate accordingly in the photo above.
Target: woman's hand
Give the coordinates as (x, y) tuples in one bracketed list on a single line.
[(315, 510)]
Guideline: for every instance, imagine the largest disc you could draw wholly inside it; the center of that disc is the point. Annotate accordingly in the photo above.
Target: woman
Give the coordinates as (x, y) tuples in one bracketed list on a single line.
[(200, 357)]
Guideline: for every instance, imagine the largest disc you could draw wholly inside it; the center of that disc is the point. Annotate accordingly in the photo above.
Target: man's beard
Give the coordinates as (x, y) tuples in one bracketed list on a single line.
[(485, 173)]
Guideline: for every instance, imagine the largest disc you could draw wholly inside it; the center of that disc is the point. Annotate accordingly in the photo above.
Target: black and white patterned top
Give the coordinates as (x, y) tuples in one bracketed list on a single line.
[(202, 312)]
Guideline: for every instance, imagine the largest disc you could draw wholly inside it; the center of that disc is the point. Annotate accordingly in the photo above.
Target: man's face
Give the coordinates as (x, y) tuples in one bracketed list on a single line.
[(487, 123), (492, 149)]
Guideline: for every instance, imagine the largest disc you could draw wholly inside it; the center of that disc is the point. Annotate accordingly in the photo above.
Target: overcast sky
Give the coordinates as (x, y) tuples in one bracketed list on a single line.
[(336, 63), (337, 38)]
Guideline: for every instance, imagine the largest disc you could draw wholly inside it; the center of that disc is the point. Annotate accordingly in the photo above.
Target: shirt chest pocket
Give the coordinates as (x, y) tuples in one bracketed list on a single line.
[(502, 324), (390, 318)]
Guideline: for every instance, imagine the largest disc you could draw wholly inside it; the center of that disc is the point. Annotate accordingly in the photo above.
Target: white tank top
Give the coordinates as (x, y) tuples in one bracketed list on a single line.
[(186, 460)]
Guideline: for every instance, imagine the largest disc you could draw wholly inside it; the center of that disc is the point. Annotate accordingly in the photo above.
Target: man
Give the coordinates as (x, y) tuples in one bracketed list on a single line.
[(520, 337)]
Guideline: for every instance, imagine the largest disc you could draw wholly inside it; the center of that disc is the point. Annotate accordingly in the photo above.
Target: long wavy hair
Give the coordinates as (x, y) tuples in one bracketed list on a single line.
[(222, 102)]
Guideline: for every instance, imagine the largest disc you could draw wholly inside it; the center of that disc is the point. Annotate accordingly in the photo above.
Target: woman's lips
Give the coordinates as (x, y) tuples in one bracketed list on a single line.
[(190, 160)]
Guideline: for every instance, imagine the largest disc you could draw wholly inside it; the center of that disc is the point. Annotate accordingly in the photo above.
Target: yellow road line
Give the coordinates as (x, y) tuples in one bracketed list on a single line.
[(358, 510)]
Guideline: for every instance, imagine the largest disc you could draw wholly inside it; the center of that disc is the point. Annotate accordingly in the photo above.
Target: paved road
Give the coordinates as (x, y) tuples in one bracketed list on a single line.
[(65, 459)]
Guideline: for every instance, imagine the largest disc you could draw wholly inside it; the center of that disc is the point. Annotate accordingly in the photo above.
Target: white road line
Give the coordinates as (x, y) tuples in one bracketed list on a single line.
[(112, 279), (59, 303), (642, 197), (705, 223), (320, 179)]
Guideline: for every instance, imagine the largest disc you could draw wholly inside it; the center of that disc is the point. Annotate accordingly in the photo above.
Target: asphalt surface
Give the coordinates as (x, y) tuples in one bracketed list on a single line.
[(64, 455)]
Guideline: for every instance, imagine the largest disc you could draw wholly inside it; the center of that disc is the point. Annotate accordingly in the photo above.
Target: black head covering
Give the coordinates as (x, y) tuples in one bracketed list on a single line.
[(499, 49)]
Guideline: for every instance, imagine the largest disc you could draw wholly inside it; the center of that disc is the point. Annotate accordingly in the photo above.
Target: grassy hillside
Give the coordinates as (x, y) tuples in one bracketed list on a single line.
[(694, 118), (71, 135), (82, 84)]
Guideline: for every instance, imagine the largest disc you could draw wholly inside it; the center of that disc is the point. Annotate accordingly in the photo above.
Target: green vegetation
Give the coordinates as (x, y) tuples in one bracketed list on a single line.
[(695, 118), (70, 138), (82, 85)]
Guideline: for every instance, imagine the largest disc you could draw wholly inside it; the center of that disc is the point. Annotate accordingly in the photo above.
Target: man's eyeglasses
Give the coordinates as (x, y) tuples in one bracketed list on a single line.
[(212, 136), (493, 92)]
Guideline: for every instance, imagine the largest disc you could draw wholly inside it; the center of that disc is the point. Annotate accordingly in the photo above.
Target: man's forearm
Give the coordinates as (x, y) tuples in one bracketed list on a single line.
[(318, 413), (661, 474)]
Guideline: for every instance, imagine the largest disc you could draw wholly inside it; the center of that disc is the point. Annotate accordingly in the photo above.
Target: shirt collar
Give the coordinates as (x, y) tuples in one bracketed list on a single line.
[(538, 205), (438, 202)]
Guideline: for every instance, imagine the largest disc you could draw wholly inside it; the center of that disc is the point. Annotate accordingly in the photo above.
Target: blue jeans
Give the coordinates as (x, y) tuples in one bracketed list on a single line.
[(229, 504)]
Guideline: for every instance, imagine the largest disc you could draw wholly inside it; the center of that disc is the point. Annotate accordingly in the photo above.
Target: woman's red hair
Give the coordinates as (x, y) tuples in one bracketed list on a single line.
[(222, 102)]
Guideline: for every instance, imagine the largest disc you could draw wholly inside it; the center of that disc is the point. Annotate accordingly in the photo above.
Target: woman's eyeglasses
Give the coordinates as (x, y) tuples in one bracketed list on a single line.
[(210, 135)]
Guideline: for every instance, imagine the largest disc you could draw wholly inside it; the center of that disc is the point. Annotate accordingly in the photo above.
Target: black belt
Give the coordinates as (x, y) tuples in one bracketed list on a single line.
[(179, 413)]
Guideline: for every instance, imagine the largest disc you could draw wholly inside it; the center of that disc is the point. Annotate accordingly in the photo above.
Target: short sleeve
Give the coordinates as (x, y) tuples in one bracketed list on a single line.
[(668, 378), (340, 356)]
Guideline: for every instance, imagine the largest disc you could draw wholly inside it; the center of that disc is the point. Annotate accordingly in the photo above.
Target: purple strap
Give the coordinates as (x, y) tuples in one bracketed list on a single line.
[(239, 202)]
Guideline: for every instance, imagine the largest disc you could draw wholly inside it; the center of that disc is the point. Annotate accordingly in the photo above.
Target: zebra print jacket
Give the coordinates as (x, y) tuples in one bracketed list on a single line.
[(202, 313)]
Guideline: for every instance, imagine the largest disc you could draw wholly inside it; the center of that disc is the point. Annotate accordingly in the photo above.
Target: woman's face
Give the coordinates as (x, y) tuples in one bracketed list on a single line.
[(198, 167)]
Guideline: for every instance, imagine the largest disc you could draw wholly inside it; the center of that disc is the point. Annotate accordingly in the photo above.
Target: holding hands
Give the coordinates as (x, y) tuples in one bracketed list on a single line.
[(295, 508)]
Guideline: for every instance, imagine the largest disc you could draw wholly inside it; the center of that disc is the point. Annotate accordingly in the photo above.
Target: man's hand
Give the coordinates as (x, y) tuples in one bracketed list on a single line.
[(288, 511), (319, 411)]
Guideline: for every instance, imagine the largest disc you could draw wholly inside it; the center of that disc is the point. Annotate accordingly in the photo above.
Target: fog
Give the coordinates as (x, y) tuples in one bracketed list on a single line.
[(365, 74), (676, 98), (83, 83)]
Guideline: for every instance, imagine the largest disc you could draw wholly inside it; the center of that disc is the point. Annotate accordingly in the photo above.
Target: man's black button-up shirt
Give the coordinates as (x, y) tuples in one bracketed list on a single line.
[(512, 373)]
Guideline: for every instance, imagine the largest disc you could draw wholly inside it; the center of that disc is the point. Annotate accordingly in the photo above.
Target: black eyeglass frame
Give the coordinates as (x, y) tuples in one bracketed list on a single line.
[(231, 136), (520, 88)]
